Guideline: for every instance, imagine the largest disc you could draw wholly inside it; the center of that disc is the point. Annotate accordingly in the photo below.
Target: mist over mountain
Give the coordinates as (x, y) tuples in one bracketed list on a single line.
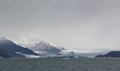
[(43, 47)]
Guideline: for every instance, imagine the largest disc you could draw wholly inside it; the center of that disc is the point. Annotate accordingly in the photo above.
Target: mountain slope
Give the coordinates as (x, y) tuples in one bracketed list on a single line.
[(4, 54), (111, 54), (12, 49)]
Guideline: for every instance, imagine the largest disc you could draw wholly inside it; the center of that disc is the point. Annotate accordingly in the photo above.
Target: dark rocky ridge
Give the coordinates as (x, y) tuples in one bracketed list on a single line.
[(114, 54), (10, 49)]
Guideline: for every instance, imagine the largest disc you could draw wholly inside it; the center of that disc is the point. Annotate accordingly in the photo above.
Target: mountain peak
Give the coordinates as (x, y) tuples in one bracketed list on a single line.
[(45, 43), (4, 40), (44, 46)]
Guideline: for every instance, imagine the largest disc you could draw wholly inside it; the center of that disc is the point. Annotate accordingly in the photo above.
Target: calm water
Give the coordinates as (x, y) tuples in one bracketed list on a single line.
[(56, 64)]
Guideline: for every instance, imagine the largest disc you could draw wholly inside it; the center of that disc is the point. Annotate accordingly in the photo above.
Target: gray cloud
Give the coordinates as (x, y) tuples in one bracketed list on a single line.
[(74, 24)]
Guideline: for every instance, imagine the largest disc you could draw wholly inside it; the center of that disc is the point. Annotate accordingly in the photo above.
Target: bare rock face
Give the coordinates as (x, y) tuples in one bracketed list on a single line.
[(4, 54)]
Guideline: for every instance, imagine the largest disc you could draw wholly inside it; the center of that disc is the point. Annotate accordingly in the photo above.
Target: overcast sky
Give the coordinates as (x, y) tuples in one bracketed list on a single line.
[(74, 24)]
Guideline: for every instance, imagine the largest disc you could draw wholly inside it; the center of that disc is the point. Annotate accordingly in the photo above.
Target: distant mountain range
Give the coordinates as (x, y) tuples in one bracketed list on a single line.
[(9, 49)]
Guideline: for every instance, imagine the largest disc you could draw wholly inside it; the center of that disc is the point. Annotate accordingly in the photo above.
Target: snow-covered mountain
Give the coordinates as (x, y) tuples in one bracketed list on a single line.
[(11, 49), (43, 47)]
